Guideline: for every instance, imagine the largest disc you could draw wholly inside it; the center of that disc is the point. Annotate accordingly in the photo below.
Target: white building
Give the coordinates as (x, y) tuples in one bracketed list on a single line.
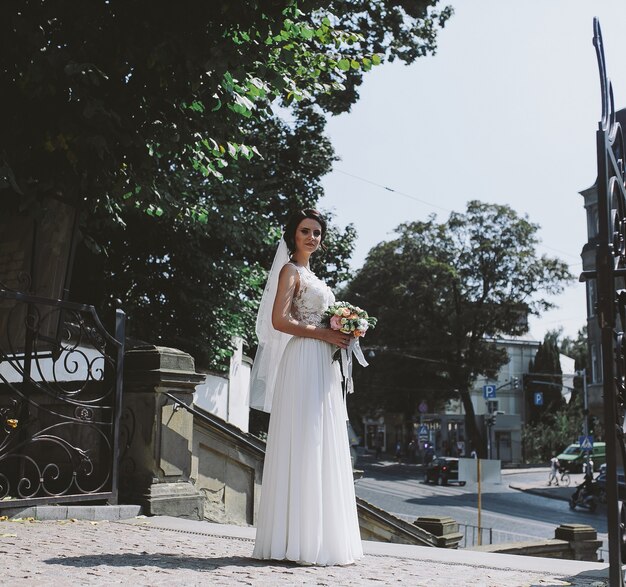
[(507, 400)]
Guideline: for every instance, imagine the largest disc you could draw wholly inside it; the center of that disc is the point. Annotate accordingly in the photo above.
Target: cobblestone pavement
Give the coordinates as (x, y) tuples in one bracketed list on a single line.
[(72, 553)]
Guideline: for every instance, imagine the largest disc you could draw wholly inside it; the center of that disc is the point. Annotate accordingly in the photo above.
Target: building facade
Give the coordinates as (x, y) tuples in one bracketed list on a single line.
[(502, 415)]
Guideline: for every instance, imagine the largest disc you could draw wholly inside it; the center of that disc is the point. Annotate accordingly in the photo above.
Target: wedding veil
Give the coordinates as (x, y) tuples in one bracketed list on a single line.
[(271, 341)]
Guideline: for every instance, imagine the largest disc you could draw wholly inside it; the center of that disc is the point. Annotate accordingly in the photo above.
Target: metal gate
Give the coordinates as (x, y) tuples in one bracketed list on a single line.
[(60, 397), (610, 274)]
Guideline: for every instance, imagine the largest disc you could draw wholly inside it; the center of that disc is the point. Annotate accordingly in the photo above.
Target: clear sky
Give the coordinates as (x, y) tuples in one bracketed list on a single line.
[(506, 112)]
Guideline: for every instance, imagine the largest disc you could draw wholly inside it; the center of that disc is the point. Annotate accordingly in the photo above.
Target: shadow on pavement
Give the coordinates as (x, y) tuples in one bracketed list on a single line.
[(163, 560)]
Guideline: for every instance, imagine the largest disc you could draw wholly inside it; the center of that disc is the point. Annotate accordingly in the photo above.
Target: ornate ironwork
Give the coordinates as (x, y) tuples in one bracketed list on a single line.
[(610, 272), (60, 398)]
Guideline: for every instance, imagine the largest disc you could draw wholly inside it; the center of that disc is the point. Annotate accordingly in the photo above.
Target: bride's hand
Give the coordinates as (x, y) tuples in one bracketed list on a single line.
[(337, 338)]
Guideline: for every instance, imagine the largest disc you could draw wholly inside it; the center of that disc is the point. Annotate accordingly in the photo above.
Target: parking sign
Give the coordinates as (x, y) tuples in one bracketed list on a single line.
[(489, 391)]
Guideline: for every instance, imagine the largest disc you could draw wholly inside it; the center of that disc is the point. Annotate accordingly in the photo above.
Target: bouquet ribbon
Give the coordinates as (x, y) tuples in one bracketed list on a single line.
[(354, 348)]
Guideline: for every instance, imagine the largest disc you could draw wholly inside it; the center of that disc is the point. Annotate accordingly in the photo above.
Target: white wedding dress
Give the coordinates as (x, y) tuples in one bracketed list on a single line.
[(307, 511)]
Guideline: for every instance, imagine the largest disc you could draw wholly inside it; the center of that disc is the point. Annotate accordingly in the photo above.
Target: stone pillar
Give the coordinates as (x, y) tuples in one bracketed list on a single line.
[(583, 541), (444, 528), (156, 432)]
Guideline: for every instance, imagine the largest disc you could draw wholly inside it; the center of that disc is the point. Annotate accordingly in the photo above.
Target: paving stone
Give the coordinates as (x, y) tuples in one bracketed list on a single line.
[(53, 553)]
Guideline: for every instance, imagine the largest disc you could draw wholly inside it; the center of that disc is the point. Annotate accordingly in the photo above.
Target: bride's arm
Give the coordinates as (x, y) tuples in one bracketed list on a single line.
[(288, 283)]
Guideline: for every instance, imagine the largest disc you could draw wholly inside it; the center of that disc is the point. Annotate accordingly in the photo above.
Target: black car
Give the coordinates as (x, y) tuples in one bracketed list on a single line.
[(443, 470)]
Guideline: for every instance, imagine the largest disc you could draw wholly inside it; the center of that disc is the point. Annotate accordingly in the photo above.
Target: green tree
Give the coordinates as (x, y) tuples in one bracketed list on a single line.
[(544, 376), (545, 438), (576, 348), (193, 285), (146, 115), (550, 428), (110, 104), (443, 293)]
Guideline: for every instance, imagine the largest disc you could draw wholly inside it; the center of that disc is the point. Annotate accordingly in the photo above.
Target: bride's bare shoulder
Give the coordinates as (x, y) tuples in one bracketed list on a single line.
[(289, 272)]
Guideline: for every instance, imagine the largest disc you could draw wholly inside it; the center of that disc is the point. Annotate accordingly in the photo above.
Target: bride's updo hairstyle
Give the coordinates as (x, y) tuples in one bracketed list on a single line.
[(290, 229)]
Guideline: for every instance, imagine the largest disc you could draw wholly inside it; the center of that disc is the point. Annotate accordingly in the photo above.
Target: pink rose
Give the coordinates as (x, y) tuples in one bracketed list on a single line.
[(335, 322)]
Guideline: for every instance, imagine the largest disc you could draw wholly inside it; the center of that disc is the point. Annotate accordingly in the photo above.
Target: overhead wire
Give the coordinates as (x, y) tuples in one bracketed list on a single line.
[(433, 205)]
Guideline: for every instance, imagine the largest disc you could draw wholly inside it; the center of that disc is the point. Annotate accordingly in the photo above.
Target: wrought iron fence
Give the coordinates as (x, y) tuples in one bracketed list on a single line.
[(60, 396)]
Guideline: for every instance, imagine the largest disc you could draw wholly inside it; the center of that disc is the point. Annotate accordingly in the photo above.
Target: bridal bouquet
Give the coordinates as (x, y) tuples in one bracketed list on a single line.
[(349, 319), (352, 320)]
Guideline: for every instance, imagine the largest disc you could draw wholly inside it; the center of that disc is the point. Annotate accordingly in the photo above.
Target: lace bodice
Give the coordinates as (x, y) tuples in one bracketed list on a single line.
[(312, 299)]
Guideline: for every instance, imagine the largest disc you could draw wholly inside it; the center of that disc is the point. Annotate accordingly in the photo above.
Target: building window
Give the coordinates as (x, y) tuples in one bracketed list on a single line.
[(595, 365), (591, 298), (592, 221)]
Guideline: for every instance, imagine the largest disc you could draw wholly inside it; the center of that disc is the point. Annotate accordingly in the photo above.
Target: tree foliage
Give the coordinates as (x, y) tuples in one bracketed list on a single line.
[(112, 103), (155, 119), (556, 424), (194, 285), (443, 293), (545, 376), (543, 439)]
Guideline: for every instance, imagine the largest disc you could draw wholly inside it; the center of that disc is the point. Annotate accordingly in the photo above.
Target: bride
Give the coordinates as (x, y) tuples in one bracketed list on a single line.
[(307, 512)]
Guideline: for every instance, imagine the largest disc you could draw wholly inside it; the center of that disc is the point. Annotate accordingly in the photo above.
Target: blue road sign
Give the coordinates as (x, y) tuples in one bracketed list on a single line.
[(586, 442), (538, 398), (489, 391), (422, 431)]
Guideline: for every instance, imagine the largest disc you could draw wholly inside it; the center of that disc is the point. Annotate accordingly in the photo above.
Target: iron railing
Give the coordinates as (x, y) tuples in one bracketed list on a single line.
[(60, 400)]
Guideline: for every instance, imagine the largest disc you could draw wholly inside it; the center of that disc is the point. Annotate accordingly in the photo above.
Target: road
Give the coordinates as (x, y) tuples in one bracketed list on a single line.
[(512, 515)]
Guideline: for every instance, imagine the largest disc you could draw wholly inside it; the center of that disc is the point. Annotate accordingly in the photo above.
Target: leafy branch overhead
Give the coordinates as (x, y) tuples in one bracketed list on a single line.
[(156, 119), (107, 103)]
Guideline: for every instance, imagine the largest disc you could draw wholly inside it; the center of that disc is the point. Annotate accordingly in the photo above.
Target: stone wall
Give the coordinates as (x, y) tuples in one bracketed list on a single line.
[(227, 468)]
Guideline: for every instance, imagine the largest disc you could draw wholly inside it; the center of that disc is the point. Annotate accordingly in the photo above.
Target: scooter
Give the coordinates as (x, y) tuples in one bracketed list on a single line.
[(584, 498)]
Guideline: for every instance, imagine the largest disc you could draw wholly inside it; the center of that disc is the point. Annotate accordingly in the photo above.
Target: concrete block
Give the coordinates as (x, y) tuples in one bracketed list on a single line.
[(174, 499)]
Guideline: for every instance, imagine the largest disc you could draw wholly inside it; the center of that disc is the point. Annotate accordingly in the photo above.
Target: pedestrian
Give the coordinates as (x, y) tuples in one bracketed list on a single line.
[(460, 448), (554, 469), (307, 512), (588, 469), (398, 451)]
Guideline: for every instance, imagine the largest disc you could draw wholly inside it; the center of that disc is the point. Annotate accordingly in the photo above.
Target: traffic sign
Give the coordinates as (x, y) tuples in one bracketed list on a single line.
[(586, 442), (489, 391), (422, 431), (538, 398), (423, 407)]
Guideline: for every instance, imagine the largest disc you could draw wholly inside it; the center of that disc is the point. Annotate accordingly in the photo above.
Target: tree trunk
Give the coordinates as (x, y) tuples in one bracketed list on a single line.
[(475, 436)]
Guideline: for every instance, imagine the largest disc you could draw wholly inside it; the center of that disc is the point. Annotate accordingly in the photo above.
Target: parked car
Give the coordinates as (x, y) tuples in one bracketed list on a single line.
[(573, 457), (443, 470)]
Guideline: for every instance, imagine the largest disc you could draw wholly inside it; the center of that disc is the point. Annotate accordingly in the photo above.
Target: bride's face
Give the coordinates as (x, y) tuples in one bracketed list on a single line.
[(308, 236)]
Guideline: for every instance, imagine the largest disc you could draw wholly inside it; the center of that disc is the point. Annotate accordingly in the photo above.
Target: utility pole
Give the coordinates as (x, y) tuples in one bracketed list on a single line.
[(490, 419)]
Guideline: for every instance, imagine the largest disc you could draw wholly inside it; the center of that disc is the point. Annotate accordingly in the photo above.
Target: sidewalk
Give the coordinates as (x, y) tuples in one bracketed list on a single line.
[(171, 551), (560, 492)]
